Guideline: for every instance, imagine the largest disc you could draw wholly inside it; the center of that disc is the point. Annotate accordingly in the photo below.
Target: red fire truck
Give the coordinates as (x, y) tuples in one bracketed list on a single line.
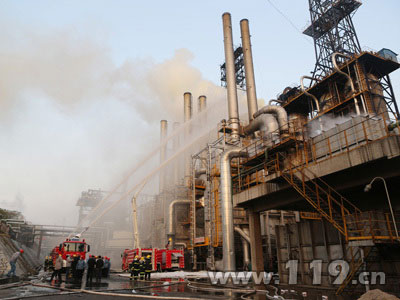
[(71, 247), (161, 259)]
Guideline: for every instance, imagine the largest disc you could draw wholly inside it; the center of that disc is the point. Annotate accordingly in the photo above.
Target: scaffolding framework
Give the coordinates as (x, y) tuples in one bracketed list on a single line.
[(333, 31), (239, 70)]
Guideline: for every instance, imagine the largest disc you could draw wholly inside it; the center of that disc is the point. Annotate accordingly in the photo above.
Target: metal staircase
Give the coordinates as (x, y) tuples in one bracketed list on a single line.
[(357, 260), (328, 202)]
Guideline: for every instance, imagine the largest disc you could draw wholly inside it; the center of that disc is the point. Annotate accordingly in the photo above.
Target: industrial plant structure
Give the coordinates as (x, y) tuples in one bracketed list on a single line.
[(288, 182)]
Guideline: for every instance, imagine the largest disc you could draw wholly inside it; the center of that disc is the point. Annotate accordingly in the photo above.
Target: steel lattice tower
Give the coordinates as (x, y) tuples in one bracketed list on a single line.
[(333, 31)]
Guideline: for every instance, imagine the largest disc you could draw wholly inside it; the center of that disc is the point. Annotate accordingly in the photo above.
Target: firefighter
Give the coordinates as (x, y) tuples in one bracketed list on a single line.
[(51, 263), (142, 268), (168, 243), (46, 264), (106, 267), (134, 267), (91, 263), (99, 267), (74, 262), (148, 267)]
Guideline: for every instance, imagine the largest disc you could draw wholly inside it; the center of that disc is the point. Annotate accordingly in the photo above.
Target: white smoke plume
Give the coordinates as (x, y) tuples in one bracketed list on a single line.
[(72, 120)]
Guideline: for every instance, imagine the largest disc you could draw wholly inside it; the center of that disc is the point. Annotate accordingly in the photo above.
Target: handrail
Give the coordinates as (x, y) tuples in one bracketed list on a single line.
[(302, 167)]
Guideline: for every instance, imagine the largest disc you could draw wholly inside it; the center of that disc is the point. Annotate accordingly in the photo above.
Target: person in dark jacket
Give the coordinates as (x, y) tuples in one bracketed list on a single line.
[(74, 262), (134, 267), (91, 264), (142, 268), (148, 267), (99, 267)]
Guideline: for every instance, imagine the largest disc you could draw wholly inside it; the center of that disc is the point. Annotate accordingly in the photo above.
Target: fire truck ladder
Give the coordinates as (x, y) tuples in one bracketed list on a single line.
[(328, 202)]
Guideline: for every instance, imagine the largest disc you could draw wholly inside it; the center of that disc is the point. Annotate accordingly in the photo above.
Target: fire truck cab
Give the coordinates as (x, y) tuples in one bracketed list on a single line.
[(71, 247)]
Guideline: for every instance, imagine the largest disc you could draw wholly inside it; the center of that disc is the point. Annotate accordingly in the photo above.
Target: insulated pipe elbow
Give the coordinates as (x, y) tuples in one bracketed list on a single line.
[(171, 214), (242, 234), (335, 65), (227, 207), (266, 123), (280, 113), (254, 126), (307, 93)]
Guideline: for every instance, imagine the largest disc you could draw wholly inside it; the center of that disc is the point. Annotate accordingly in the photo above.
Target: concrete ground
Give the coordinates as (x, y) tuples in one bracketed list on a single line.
[(120, 287)]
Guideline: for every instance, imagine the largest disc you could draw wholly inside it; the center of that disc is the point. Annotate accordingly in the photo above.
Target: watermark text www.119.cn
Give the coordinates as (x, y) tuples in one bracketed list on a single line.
[(339, 269)]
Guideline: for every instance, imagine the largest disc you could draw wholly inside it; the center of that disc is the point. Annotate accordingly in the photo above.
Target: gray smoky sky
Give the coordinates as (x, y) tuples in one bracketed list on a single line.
[(70, 119)]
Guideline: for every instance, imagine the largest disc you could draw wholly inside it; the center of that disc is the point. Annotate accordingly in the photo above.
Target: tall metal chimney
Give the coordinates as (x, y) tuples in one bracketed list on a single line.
[(202, 103), (175, 147), (187, 106), (187, 110), (248, 69), (163, 151), (233, 108)]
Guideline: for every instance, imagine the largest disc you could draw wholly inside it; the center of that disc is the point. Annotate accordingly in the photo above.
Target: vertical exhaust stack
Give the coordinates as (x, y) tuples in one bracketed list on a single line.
[(187, 116), (163, 152), (233, 107), (187, 106), (249, 69), (202, 103), (175, 147)]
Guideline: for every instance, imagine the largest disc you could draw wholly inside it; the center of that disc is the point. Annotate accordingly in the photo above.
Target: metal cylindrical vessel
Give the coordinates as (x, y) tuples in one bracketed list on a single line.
[(175, 147), (233, 107), (187, 106), (187, 115), (202, 103), (248, 69), (163, 150)]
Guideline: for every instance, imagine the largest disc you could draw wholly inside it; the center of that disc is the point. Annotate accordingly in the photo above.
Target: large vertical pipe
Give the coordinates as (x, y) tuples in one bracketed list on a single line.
[(175, 147), (248, 69), (163, 151), (228, 246), (202, 103), (233, 107), (187, 106), (246, 249), (187, 115)]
